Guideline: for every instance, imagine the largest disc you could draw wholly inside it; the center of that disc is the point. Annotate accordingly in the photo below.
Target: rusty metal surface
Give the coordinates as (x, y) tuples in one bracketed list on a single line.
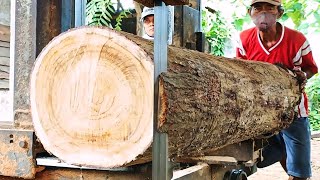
[(16, 153), (191, 22), (24, 47), (178, 27), (186, 23), (48, 22)]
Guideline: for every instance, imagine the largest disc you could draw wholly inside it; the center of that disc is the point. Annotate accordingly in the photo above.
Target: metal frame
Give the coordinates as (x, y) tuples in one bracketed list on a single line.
[(68, 15), (73, 14), (160, 164), (80, 12)]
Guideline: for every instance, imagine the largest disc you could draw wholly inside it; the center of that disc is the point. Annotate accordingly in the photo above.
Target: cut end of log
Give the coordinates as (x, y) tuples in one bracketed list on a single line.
[(163, 103), (91, 93)]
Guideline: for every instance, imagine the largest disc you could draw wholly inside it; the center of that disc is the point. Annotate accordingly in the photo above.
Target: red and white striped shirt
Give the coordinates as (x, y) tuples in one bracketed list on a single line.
[(292, 50)]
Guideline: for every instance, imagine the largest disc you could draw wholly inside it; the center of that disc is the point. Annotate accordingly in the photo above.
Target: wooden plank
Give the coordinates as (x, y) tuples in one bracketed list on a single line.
[(4, 75), (209, 160), (4, 29), (242, 151), (200, 171), (4, 61), (4, 84), (4, 44), (4, 52), (5, 68), (4, 33)]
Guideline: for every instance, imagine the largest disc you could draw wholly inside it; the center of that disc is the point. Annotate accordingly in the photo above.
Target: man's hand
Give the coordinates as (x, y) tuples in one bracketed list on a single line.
[(297, 73), (301, 77)]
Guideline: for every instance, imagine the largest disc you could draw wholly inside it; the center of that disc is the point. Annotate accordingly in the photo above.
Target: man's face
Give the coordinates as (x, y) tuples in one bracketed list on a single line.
[(148, 24), (264, 15)]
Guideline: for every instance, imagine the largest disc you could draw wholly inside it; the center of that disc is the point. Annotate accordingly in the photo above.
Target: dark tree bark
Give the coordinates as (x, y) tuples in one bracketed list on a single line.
[(209, 102)]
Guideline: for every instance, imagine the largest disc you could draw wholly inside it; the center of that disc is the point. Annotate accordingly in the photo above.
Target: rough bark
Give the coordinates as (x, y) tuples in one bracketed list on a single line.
[(212, 101), (91, 98)]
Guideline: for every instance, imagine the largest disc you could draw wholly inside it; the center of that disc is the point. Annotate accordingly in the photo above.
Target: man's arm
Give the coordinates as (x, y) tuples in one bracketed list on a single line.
[(307, 63), (240, 51), (239, 54)]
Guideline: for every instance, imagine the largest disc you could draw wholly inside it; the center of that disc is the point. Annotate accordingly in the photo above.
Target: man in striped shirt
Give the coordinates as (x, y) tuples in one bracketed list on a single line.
[(274, 43)]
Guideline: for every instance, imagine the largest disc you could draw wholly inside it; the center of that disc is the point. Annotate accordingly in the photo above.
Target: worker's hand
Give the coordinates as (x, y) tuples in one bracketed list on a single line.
[(297, 73), (301, 77)]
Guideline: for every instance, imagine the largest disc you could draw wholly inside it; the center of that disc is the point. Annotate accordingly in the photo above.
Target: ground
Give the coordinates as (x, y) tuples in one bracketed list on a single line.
[(276, 172)]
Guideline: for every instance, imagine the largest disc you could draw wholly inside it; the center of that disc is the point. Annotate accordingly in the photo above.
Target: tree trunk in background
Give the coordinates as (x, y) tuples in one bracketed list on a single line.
[(138, 8), (92, 99)]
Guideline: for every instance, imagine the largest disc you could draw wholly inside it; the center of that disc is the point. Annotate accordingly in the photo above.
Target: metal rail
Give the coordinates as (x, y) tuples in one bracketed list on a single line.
[(160, 164)]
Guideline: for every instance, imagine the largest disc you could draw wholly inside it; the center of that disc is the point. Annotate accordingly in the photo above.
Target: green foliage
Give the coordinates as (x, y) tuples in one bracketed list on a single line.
[(216, 30), (303, 13), (238, 22), (101, 12), (98, 12), (313, 92), (122, 15), (240, 17), (295, 10)]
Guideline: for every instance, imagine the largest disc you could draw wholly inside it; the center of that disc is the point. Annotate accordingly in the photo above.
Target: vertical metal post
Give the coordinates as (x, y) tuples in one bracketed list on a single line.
[(67, 14), (200, 15), (23, 55), (73, 14), (80, 12), (160, 164)]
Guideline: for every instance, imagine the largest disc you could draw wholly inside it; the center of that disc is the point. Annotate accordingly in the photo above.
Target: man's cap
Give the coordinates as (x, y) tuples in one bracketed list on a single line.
[(273, 2), (146, 12)]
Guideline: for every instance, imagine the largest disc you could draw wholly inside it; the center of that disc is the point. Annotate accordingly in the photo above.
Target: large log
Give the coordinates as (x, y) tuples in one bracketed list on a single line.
[(92, 99), (219, 102)]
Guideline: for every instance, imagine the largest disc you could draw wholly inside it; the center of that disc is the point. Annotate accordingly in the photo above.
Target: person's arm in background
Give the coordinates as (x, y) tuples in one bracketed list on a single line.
[(239, 54), (306, 62), (240, 51)]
